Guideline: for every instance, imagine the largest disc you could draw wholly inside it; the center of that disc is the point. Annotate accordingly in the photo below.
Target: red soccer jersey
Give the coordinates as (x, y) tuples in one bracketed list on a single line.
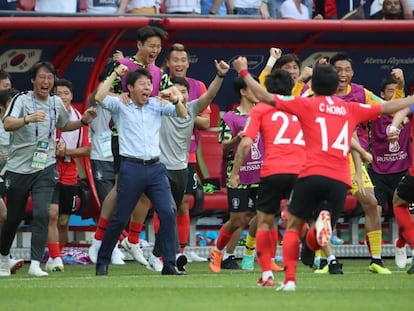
[(67, 169), (327, 124), (282, 137)]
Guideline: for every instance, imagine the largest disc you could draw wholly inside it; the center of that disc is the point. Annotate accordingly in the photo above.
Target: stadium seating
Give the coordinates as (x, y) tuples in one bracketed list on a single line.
[(209, 169)]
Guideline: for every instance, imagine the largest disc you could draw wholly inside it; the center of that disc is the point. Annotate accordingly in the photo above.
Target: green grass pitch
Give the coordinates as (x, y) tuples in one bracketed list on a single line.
[(133, 287)]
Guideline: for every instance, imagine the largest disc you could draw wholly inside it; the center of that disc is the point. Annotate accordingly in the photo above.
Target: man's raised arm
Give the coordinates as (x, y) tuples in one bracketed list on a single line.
[(240, 65), (206, 99), (105, 87)]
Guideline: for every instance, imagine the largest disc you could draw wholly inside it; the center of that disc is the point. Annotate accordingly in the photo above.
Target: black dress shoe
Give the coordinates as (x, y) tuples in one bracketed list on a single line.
[(181, 261), (171, 270), (101, 269)]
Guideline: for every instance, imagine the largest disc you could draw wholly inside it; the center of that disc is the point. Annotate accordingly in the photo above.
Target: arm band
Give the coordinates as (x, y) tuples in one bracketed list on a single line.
[(243, 73), (271, 61)]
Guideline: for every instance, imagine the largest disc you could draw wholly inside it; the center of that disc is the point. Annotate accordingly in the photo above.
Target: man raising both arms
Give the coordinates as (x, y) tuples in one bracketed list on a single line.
[(141, 171)]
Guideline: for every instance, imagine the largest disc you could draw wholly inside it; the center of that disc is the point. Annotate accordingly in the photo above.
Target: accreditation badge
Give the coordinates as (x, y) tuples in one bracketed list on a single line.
[(40, 155), (105, 143)]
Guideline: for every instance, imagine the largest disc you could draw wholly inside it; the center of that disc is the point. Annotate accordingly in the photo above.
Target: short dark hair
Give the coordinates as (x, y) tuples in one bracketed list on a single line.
[(133, 76), (325, 79), (64, 82), (176, 47), (286, 58), (279, 82), (151, 31), (181, 81), (4, 75), (340, 56), (35, 68), (239, 84), (385, 82)]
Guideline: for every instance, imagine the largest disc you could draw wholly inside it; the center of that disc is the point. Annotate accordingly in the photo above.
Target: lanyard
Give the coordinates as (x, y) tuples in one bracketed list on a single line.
[(50, 118)]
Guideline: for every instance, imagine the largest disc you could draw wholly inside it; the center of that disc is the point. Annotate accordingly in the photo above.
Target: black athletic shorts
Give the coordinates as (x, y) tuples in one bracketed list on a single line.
[(241, 200), (272, 190), (66, 197), (192, 179), (405, 189), (310, 192), (177, 180)]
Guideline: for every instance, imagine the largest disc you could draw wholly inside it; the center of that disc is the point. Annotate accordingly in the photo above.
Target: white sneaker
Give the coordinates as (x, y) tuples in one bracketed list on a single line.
[(135, 251), (117, 257), (323, 228), (4, 266), (193, 257), (15, 264), (290, 286), (154, 263), (35, 269), (400, 256), (55, 264), (94, 249)]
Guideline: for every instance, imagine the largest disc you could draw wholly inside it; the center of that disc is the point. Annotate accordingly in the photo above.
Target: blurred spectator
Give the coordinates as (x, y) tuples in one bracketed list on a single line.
[(410, 5), (355, 10), (8, 5), (327, 8), (182, 6), (274, 7), (295, 9), (392, 9), (248, 7), (213, 7), (139, 6), (25, 5), (102, 6), (53, 6), (346, 9)]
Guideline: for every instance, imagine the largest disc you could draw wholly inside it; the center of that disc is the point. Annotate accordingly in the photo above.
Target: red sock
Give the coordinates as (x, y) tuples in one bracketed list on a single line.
[(311, 239), (290, 254), (223, 238), (54, 249), (101, 228), (134, 231), (264, 249), (405, 224), (183, 228), (275, 237), (156, 222)]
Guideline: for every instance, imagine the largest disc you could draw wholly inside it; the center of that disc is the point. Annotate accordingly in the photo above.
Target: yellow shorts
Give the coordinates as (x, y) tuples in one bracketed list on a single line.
[(366, 180)]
